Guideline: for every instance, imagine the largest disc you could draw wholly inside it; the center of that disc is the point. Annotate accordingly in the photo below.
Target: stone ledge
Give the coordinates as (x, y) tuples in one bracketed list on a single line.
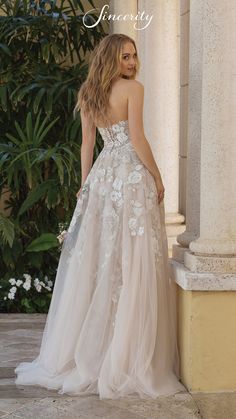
[(201, 281)]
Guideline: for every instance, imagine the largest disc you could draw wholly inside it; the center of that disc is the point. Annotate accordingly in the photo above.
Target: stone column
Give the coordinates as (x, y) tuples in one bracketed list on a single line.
[(194, 111), (207, 276), (217, 239), (158, 48), (123, 7)]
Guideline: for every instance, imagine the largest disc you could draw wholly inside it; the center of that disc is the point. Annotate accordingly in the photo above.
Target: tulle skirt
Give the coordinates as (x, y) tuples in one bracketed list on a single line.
[(112, 324)]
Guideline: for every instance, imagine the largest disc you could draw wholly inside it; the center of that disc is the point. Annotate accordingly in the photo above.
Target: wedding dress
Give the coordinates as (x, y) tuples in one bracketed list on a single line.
[(111, 326)]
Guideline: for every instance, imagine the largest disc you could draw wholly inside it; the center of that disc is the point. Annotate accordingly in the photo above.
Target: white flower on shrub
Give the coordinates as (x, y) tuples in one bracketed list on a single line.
[(19, 282), (50, 284), (12, 281), (11, 294), (27, 285), (38, 287), (27, 277)]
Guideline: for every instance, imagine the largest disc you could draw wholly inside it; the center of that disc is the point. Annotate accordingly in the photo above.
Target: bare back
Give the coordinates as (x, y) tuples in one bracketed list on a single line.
[(118, 101)]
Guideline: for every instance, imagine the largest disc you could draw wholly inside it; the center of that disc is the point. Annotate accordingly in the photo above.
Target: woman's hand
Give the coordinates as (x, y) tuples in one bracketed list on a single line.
[(160, 189), (78, 193)]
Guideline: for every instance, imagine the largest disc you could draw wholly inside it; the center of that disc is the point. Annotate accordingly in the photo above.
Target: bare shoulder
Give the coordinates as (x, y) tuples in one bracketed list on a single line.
[(130, 85), (135, 89), (135, 85)]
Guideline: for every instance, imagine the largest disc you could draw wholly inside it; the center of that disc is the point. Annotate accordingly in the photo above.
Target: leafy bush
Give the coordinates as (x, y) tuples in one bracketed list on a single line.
[(26, 294), (43, 45)]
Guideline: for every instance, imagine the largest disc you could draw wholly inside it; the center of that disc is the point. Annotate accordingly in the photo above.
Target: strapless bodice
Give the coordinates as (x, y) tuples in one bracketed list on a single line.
[(115, 135)]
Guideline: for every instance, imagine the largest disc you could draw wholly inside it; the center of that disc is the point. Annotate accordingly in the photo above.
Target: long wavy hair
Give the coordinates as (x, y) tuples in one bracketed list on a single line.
[(104, 68)]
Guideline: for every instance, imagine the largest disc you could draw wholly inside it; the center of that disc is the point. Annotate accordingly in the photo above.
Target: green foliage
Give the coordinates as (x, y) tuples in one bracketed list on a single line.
[(7, 230), (44, 242), (42, 46), (26, 294)]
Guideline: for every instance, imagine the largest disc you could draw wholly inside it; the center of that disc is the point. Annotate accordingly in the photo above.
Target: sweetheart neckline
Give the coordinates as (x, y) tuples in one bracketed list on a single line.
[(112, 125)]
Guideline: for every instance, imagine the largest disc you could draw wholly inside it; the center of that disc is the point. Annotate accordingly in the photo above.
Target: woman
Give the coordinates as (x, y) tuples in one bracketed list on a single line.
[(111, 326)]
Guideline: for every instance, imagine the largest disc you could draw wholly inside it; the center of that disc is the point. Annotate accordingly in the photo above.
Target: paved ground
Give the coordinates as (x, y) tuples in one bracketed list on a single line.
[(20, 336)]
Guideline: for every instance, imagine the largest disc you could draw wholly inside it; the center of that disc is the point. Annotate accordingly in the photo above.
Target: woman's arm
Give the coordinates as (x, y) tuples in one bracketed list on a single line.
[(139, 141), (87, 147)]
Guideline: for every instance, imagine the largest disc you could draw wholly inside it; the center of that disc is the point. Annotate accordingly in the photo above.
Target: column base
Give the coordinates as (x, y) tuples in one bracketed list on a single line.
[(186, 237), (178, 252), (213, 247), (205, 263), (206, 329), (174, 227)]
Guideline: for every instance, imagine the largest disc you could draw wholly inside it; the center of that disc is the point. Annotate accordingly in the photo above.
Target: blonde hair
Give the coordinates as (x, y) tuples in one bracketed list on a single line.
[(104, 68)]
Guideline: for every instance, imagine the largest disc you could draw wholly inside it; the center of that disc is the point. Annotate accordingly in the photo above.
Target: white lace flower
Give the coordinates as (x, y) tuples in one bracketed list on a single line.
[(109, 170), (12, 281), (13, 290), (121, 137), (137, 211), (93, 182), (117, 184), (120, 202), (115, 195), (134, 177), (132, 223), (102, 190), (140, 230), (11, 296), (116, 128), (101, 172), (125, 158), (137, 208)]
